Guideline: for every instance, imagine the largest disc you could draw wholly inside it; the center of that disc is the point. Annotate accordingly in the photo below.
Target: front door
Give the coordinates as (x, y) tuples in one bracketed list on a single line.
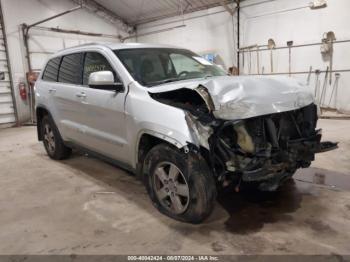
[(104, 117)]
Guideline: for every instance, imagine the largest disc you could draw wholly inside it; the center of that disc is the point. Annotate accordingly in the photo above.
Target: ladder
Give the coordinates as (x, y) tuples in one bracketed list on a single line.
[(8, 109)]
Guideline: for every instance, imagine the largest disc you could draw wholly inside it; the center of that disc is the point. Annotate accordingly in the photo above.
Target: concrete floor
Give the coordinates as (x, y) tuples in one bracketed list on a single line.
[(85, 206)]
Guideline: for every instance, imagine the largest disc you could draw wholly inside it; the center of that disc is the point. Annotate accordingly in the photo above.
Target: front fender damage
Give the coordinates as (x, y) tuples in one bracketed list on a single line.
[(200, 133), (198, 107)]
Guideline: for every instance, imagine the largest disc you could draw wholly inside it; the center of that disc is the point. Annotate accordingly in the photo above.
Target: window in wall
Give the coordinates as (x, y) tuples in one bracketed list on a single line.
[(51, 70), (71, 69), (95, 62)]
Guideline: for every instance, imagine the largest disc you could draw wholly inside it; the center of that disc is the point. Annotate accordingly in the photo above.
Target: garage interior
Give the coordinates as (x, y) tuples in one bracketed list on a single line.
[(86, 206)]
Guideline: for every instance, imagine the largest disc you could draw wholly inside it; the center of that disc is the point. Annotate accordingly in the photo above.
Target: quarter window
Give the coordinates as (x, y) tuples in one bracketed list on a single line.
[(95, 62), (71, 69), (51, 70)]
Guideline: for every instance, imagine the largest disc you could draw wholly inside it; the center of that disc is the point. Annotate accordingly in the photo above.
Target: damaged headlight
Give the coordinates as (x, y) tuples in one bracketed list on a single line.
[(203, 92), (199, 132)]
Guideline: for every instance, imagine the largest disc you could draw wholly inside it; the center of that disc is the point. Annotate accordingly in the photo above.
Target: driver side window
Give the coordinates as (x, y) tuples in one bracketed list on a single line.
[(95, 62), (183, 63)]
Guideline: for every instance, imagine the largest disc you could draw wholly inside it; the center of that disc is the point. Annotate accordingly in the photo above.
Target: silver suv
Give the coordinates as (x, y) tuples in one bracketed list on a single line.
[(178, 122)]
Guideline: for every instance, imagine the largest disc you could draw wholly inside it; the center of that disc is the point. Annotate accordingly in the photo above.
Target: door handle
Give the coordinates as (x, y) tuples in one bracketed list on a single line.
[(81, 95), (52, 90)]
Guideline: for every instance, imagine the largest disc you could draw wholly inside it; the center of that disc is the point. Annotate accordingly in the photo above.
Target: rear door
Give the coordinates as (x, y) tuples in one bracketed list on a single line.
[(67, 96), (104, 117), (47, 87)]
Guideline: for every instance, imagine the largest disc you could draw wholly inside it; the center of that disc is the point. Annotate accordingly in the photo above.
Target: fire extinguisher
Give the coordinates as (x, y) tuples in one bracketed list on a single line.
[(22, 91)]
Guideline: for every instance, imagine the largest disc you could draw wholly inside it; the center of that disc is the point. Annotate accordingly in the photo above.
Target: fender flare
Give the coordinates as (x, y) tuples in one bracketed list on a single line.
[(164, 137)]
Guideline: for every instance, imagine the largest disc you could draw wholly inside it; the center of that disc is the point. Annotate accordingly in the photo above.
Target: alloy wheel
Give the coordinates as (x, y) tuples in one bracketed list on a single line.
[(171, 187), (49, 139)]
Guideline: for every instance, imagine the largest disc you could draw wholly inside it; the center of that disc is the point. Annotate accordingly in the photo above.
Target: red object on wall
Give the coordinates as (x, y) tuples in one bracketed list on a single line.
[(22, 91)]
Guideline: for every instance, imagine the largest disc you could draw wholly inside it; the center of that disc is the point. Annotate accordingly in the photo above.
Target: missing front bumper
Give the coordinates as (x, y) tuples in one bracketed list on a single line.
[(300, 154)]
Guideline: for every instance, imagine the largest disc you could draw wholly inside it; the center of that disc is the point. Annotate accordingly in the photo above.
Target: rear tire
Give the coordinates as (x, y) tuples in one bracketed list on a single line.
[(52, 140), (180, 185)]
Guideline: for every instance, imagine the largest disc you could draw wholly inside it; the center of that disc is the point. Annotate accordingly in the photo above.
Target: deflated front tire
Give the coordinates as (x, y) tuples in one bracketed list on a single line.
[(180, 185)]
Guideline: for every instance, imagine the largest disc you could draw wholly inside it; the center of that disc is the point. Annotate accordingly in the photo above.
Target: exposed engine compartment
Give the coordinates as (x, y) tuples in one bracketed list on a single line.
[(267, 148)]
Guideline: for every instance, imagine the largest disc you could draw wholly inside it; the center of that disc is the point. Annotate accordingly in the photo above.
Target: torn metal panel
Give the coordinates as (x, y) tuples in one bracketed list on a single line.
[(199, 132)]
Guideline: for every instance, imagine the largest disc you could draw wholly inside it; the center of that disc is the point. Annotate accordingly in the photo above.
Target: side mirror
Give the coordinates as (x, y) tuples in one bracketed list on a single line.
[(104, 80)]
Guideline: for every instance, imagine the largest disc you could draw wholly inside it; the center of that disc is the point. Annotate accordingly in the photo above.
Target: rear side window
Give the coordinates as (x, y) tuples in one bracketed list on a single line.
[(71, 69), (51, 70), (95, 62)]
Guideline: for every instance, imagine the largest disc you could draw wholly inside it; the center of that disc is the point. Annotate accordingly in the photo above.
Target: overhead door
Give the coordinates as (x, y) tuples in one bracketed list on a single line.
[(7, 108)]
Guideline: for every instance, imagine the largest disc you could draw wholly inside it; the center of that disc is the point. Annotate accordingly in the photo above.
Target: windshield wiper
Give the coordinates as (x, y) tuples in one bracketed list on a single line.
[(168, 80), (174, 79), (208, 76)]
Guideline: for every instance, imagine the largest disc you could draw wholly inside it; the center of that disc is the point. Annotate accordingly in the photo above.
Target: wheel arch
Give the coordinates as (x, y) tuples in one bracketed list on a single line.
[(148, 139)]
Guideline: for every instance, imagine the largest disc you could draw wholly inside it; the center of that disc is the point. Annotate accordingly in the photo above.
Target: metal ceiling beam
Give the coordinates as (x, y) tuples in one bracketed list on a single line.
[(55, 16), (188, 6), (76, 32), (26, 28), (187, 10), (100, 10), (228, 9)]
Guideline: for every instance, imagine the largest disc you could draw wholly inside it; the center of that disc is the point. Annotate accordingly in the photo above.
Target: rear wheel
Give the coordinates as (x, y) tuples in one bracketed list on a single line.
[(52, 140), (180, 185)]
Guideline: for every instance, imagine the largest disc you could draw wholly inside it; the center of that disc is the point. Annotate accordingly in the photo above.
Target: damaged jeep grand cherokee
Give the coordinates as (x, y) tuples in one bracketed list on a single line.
[(177, 121)]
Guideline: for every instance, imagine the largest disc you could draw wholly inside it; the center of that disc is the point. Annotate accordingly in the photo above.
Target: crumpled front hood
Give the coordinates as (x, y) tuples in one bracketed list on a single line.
[(241, 97)]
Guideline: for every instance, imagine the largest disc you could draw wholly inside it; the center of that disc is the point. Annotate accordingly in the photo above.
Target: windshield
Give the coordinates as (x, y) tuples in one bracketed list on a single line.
[(155, 66)]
